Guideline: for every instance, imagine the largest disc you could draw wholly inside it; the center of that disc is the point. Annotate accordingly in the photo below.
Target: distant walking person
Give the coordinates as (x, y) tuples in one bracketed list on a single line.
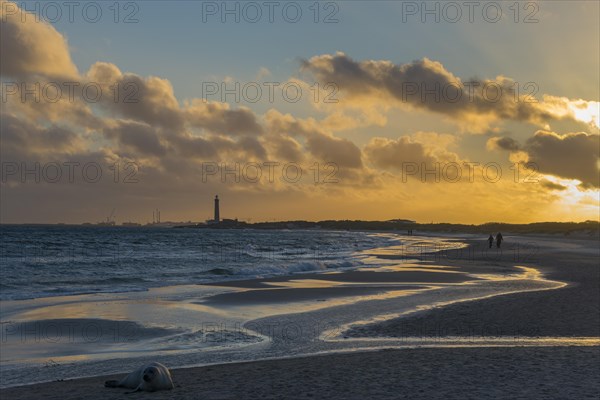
[(491, 240), (498, 240)]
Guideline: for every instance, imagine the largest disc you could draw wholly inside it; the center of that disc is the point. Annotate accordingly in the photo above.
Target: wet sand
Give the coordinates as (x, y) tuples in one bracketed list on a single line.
[(466, 372), (331, 285), (286, 295), (570, 311), (401, 275)]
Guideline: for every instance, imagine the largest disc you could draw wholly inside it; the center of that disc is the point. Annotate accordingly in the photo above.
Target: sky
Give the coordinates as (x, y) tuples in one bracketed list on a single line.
[(431, 111)]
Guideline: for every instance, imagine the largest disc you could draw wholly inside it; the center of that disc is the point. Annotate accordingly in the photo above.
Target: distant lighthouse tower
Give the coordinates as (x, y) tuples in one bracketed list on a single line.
[(217, 218)]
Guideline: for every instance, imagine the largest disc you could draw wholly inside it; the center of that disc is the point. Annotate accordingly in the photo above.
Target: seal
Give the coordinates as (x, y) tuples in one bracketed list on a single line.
[(147, 378)]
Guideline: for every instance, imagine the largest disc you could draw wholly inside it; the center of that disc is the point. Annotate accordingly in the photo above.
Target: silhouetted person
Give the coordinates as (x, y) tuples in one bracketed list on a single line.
[(491, 240), (498, 240)]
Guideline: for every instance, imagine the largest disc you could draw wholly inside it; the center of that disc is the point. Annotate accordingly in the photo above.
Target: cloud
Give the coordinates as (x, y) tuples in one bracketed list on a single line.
[(25, 137), (573, 156), (252, 147), (502, 143), (198, 147), (426, 149), (150, 100), (31, 48), (216, 148), (587, 112), (333, 149), (551, 185), (387, 153), (322, 145), (219, 118), (426, 84), (283, 147), (140, 137)]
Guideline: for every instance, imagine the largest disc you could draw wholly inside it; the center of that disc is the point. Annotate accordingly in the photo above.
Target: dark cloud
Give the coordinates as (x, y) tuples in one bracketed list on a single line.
[(152, 100), (573, 156), (424, 84), (551, 185), (252, 146), (216, 148), (140, 137), (219, 118), (323, 146), (340, 151), (504, 143), (201, 148), (19, 136), (149, 100)]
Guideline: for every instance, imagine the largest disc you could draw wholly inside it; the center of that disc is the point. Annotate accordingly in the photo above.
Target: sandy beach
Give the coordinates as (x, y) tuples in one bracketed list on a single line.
[(448, 325), (573, 310), (465, 373)]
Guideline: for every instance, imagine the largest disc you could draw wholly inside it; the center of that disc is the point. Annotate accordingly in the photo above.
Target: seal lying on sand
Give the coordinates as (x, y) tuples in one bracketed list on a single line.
[(149, 378)]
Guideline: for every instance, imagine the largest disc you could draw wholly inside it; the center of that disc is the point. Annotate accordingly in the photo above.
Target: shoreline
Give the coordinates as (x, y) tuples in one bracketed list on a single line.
[(383, 330), (432, 253), (571, 310)]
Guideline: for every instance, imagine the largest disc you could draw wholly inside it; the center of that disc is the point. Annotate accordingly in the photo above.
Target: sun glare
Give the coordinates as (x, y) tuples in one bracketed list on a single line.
[(586, 111)]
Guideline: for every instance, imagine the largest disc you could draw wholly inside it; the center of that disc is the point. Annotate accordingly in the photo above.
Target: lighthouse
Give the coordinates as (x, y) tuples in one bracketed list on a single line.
[(217, 218)]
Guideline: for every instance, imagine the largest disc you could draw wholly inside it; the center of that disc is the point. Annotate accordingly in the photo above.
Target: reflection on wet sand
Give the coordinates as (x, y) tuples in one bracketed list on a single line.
[(272, 317)]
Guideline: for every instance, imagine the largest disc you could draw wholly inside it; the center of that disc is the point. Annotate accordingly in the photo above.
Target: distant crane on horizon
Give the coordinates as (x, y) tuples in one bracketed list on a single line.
[(110, 218), (110, 221)]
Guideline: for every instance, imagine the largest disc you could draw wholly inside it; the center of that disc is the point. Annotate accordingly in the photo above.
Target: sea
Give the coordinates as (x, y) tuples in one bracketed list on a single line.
[(45, 261)]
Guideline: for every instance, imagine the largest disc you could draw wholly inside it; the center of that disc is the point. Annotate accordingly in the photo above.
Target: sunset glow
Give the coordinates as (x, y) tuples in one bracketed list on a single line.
[(428, 132)]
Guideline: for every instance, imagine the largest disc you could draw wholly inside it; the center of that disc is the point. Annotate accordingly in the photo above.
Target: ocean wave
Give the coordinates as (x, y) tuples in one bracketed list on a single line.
[(219, 271), (295, 268), (57, 292), (99, 262)]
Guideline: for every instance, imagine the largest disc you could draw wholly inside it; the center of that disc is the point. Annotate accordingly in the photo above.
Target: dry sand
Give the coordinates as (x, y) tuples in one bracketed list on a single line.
[(442, 373)]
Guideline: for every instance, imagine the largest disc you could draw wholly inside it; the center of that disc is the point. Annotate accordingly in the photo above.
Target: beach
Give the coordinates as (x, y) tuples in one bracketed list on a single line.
[(452, 323), (299, 200), (574, 310), (441, 373)]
